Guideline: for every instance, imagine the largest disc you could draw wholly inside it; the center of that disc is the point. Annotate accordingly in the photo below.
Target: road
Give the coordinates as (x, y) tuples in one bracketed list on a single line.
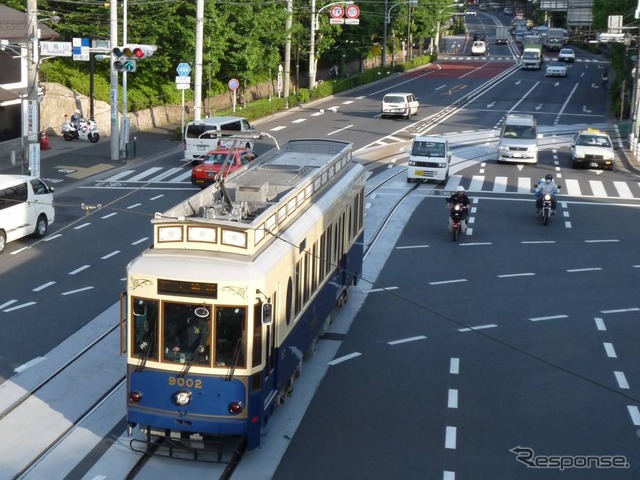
[(519, 336)]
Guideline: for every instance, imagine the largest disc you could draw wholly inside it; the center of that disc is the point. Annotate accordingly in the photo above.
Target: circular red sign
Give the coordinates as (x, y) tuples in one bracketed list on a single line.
[(233, 84), (353, 11), (337, 11)]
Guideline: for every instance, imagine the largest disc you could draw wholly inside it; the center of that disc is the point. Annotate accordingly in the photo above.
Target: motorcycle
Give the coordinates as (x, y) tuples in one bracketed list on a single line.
[(87, 130), (458, 215), (546, 211)]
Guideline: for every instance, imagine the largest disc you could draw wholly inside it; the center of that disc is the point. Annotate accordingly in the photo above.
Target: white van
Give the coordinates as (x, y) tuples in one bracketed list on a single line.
[(518, 142), (429, 159), (202, 136), (26, 208)]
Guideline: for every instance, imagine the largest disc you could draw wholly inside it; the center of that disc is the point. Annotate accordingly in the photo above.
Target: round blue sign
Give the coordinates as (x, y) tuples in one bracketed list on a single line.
[(233, 84)]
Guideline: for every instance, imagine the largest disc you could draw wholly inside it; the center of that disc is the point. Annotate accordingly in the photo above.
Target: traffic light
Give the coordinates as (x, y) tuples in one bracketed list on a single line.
[(127, 56)]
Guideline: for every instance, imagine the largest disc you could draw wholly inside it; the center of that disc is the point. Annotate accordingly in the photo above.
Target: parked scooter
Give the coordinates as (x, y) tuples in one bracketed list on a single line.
[(87, 130), (458, 218)]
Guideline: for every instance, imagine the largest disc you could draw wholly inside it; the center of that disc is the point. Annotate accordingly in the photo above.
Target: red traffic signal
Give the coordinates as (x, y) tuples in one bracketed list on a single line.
[(135, 52)]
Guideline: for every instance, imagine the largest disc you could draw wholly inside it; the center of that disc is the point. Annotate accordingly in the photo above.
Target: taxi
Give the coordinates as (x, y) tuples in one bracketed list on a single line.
[(592, 148), (207, 172)]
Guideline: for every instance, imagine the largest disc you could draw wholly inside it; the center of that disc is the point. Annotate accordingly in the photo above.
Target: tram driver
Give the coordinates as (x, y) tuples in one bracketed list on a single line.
[(186, 339)]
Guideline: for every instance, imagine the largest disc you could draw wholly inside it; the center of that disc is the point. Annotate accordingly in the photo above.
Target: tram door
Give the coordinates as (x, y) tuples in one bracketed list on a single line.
[(270, 335)]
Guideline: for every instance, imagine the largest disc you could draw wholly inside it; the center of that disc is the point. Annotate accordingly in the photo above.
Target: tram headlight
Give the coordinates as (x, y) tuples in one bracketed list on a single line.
[(236, 408), (182, 398)]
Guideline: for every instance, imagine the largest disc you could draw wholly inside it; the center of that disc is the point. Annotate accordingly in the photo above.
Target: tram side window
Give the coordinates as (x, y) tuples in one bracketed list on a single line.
[(145, 328), (186, 333), (231, 331)]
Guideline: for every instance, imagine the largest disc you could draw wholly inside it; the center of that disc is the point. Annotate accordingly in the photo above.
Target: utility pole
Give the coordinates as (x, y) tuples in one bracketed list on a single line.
[(287, 52), (312, 47), (197, 82), (32, 110), (384, 35), (113, 22)]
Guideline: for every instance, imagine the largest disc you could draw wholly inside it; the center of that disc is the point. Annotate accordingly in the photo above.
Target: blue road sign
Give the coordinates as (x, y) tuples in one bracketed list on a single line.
[(184, 69)]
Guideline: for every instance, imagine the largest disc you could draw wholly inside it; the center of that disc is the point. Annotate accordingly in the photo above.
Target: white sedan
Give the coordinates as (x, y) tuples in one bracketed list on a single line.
[(567, 55), (479, 48), (556, 69)]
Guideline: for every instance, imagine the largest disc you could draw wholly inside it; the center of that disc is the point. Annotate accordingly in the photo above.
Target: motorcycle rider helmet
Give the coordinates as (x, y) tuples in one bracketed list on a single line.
[(77, 111), (460, 189), (548, 178)]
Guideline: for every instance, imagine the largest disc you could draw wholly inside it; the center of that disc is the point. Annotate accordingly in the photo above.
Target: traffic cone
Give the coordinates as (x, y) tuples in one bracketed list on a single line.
[(44, 141)]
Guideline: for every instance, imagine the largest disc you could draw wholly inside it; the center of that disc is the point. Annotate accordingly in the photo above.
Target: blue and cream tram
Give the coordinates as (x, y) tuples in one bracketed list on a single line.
[(241, 280)]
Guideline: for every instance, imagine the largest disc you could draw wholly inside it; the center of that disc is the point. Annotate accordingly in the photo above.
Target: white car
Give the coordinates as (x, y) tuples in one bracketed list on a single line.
[(567, 55), (399, 105), (592, 148), (556, 69), (479, 48)]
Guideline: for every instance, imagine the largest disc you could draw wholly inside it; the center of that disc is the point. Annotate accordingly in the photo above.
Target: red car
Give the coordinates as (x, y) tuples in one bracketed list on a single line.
[(205, 174)]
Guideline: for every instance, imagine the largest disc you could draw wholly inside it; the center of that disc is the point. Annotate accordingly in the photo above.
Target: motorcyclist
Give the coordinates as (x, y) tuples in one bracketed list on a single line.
[(76, 117), (460, 197), (548, 186), (605, 77)]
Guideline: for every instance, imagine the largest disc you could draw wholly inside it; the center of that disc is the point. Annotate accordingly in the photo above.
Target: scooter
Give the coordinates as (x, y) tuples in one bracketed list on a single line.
[(458, 215), (87, 130)]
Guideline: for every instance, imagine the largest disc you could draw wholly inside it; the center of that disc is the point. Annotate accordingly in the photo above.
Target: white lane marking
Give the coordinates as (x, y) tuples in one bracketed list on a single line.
[(528, 274), (476, 183), (476, 244), (133, 206), (623, 189), (478, 327), (164, 175), (602, 241), (20, 250), (109, 215), (405, 340), (52, 237), (621, 310), (454, 366), (146, 173), (622, 380), (109, 255), (600, 324), (18, 307), (77, 291), (299, 120), (524, 185), (157, 197), (412, 246), (277, 129), (635, 414), (536, 242), (78, 270), (43, 286), (347, 102), (29, 364), (500, 184), (589, 269), (182, 176), (445, 282), (611, 352), (81, 226), (375, 290), (339, 130), (118, 176), (552, 317), (317, 113), (597, 187), (452, 401), (143, 239), (567, 224), (344, 358), (6, 304), (450, 438), (573, 188), (447, 475)]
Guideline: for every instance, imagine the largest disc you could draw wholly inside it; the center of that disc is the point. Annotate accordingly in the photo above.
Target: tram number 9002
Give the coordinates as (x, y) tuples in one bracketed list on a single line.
[(185, 382)]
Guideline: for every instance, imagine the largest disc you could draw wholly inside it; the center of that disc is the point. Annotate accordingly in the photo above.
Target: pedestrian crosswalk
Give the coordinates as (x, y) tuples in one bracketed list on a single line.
[(609, 189), (582, 186)]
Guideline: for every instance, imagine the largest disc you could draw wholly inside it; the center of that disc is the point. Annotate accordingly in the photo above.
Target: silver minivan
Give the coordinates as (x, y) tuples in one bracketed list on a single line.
[(518, 142), (26, 208)]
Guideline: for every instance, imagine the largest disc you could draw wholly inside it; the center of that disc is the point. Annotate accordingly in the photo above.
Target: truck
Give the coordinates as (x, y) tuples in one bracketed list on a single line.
[(502, 35), (532, 52), (555, 39)]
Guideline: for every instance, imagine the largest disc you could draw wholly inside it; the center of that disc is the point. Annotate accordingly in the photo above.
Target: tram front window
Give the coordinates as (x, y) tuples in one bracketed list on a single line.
[(231, 336), (145, 328), (187, 333)]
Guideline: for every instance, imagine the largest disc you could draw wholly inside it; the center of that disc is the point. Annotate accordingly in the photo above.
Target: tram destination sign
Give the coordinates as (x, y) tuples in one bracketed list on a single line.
[(188, 289)]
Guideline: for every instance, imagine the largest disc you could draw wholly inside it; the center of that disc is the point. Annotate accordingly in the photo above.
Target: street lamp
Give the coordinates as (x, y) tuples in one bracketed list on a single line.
[(312, 42), (387, 20)]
